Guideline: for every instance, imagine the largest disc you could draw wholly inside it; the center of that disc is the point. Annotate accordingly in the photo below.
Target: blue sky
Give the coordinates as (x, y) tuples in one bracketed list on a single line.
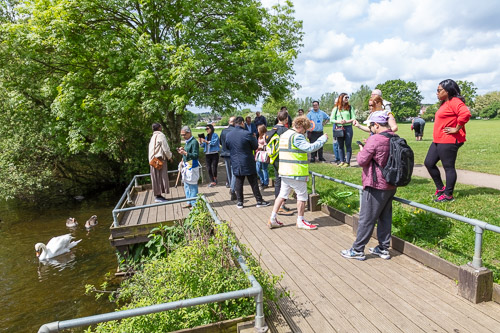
[(348, 43)]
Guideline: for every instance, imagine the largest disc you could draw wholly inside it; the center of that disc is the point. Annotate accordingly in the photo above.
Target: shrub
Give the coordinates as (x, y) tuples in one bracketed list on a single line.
[(205, 264)]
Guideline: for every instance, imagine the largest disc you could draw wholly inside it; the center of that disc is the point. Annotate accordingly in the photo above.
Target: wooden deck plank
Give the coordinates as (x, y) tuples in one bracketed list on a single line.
[(328, 292), (136, 214)]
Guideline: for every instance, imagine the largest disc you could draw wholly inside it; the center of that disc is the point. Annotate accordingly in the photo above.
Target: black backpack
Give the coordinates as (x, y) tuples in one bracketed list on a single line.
[(399, 167)]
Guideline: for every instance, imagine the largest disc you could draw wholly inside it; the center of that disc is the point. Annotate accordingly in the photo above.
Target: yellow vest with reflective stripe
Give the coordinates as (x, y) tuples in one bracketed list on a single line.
[(293, 161)]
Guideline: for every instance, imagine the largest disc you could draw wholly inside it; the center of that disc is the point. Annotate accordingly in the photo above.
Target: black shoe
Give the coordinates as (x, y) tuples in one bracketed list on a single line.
[(263, 203), (312, 160), (322, 160), (239, 205)]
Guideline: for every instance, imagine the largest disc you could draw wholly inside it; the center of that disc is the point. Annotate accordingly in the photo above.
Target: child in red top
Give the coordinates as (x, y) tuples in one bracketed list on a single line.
[(449, 136)]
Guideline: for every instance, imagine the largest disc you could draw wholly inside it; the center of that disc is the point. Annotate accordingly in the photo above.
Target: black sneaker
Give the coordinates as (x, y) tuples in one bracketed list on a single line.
[(262, 203), (239, 205), (322, 160), (384, 254)]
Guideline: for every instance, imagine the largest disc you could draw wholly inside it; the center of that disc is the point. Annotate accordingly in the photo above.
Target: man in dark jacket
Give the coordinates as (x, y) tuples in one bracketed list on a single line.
[(241, 144), (227, 157), (259, 119)]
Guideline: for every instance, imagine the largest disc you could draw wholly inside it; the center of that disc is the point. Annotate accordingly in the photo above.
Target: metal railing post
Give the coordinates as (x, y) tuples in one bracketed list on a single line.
[(260, 321), (136, 182), (313, 185), (115, 219), (477, 262), (360, 198)]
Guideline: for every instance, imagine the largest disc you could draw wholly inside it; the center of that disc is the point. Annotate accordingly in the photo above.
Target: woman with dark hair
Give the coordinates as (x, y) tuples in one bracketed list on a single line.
[(343, 115), (211, 148), (158, 147), (448, 137)]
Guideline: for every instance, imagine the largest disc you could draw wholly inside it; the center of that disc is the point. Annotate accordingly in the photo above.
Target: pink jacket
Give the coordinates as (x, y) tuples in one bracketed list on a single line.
[(376, 148)]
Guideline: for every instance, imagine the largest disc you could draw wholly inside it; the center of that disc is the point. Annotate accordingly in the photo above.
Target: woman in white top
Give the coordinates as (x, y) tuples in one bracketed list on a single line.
[(375, 104), (158, 147)]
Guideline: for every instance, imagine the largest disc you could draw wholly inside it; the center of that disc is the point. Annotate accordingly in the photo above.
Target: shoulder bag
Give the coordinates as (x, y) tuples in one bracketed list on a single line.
[(338, 132), (156, 162)]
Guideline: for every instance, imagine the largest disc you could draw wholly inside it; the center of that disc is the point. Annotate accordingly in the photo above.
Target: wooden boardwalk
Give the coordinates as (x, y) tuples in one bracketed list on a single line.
[(329, 293)]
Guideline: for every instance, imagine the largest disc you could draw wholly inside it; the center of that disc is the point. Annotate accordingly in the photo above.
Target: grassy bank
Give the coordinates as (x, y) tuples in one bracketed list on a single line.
[(480, 153), (447, 238)]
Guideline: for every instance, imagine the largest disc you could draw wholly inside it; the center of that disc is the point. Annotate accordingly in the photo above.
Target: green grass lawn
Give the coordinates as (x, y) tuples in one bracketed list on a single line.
[(480, 153)]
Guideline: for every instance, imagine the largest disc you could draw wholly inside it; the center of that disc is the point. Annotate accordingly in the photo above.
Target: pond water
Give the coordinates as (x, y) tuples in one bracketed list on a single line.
[(34, 293)]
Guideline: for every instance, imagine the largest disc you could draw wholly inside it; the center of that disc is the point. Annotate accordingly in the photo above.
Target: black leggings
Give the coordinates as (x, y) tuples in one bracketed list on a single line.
[(447, 154), (212, 161)]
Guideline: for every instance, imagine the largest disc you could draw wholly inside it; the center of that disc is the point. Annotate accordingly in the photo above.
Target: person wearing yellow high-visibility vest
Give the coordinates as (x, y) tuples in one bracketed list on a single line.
[(294, 169)]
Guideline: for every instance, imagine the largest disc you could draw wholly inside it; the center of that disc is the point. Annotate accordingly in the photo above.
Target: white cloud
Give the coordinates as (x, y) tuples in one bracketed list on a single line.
[(353, 42)]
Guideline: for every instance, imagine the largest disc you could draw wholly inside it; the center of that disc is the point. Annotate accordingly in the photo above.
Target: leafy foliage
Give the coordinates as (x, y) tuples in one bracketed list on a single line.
[(404, 96), (488, 105), (85, 79), (201, 262), (469, 91)]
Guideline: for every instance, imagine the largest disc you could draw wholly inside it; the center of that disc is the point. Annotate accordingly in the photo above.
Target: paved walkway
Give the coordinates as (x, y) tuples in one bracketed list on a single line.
[(463, 176)]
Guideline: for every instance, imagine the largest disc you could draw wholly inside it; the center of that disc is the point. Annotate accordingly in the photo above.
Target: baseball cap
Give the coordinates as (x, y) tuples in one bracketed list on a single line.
[(377, 117), (377, 92)]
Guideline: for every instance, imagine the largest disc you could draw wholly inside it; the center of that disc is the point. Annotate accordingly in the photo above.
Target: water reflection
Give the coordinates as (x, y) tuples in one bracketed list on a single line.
[(36, 292), (58, 263)]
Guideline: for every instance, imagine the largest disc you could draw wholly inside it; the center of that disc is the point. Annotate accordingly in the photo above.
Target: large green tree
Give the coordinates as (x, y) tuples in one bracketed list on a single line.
[(85, 79), (404, 96), (488, 105), (469, 91)]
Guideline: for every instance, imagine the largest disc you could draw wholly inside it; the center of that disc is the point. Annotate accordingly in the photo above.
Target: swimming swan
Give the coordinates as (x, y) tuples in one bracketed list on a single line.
[(56, 246), (91, 222)]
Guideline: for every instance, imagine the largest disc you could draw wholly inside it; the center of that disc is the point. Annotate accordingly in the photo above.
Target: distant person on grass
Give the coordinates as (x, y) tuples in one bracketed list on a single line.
[(319, 118), (417, 125), (158, 147), (376, 201), (294, 170), (448, 137)]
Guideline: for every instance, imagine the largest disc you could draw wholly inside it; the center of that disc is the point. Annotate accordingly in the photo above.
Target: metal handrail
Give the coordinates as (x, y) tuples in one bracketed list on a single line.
[(254, 291), (479, 226)]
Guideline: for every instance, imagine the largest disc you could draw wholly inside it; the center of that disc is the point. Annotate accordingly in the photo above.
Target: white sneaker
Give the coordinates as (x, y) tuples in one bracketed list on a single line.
[(306, 225), (274, 224)]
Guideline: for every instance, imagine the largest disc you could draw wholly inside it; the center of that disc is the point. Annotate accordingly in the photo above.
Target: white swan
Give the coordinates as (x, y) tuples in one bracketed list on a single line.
[(91, 222), (71, 222), (56, 246)]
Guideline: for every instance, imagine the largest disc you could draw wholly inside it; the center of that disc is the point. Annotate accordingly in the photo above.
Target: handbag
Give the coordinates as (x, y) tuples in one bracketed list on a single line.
[(262, 156), (156, 162), (338, 132)]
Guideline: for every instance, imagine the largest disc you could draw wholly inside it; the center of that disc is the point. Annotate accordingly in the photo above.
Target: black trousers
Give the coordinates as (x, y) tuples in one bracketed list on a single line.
[(313, 136), (252, 180), (447, 154), (212, 161), (277, 180)]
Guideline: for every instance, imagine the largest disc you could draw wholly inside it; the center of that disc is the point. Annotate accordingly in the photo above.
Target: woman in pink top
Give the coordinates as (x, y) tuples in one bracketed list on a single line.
[(262, 168), (448, 137)]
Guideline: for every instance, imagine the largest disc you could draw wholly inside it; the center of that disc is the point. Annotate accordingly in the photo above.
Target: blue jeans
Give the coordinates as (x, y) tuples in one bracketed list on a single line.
[(191, 191), (229, 170), (345, 154), (263, 173), (336, 150)]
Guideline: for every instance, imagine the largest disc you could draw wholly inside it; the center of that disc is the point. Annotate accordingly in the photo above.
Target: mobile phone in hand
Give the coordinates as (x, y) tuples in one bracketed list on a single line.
[(360, 143)]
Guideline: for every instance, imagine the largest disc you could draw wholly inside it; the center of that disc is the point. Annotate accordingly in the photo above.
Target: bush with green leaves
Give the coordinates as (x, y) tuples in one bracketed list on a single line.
[(202, 263)]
